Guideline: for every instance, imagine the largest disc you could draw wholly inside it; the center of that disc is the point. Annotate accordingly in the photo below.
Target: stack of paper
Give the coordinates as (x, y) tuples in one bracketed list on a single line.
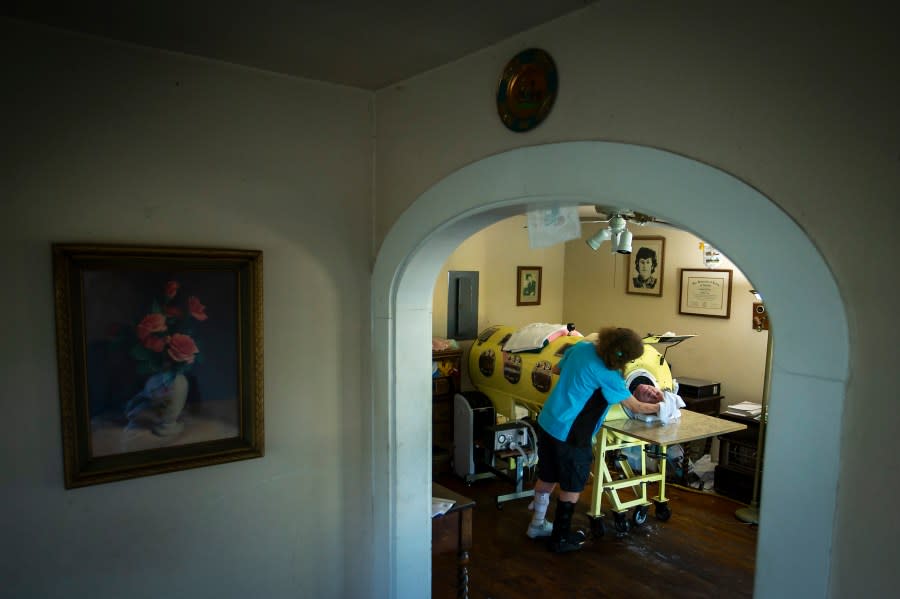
[(748, 409), (439, 506)]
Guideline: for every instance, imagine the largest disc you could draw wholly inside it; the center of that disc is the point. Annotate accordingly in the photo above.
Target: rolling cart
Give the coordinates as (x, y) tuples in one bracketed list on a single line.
[(619, 432)]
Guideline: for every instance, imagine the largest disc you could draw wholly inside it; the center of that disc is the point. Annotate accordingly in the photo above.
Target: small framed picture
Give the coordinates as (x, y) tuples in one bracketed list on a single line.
[(644, 275), (528, 286), (706, 292)]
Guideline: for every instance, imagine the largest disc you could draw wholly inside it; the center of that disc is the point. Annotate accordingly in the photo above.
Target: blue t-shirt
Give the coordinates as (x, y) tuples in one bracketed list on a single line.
[(582, 372)]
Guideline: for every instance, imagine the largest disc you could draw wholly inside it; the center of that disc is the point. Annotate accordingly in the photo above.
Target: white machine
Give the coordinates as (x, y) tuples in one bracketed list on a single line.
[(509, 436), (483, 449), (473, 415)]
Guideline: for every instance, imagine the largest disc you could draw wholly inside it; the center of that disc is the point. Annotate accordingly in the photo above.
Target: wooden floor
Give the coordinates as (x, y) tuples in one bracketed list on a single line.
[(702, 551)]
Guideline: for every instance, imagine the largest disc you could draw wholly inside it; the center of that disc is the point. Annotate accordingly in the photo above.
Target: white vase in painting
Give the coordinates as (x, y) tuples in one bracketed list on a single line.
[(159, 404)]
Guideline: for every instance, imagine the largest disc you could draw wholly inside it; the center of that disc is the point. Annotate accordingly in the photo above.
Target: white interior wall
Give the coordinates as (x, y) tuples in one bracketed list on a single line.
[(796, 103), (794, 548), (112, 144)]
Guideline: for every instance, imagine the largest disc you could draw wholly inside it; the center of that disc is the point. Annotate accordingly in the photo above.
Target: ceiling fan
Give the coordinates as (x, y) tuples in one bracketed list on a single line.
[(617, 232), (605, 214)]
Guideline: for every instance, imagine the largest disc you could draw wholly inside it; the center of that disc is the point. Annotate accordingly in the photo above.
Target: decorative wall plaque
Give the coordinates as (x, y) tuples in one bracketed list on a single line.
[(527, 90)]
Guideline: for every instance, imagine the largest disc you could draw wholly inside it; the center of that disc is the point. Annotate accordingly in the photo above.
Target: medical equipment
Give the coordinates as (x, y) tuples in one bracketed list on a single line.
[(484, 449), (509, 436), (473, 415), (524, 379)]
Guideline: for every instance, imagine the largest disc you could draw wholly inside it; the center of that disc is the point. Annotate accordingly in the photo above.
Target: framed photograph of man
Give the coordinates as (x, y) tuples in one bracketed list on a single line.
[(644, 275)]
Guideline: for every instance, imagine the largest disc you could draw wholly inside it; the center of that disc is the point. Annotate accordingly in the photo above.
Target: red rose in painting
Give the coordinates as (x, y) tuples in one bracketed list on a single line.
[(166, 342), (197, 309), (154, 343), (152, 323), (182, 348)]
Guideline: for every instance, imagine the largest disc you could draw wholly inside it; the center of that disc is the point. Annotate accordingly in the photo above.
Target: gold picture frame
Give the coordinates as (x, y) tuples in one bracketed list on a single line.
[(528, 285), (160, 358)]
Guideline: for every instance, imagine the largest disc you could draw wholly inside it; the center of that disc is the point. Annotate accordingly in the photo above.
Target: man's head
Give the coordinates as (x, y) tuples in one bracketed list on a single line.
[(645, 262)]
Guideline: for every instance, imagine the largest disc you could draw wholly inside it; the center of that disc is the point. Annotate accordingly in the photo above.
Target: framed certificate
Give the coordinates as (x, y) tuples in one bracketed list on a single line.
[(706, 292)]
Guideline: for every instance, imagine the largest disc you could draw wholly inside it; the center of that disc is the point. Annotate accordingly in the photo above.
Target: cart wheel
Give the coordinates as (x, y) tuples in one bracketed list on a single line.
[(499, 506), (663, 512), (640, 515), (598, 527), (621, 522)]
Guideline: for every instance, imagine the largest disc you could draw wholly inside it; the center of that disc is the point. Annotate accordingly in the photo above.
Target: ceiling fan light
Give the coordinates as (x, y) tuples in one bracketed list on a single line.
[(614, 241), (617, 223), (598, 238), (623, 243)]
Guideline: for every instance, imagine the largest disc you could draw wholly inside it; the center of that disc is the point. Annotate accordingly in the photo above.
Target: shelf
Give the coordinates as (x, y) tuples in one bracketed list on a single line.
[(443, 388), (738, 459), (704, 405)]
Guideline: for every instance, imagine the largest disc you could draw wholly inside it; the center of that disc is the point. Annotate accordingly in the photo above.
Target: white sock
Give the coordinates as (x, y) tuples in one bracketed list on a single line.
[(539, 505)]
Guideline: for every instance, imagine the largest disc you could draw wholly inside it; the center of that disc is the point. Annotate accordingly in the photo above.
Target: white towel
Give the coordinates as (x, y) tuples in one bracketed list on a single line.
[(669, 409)]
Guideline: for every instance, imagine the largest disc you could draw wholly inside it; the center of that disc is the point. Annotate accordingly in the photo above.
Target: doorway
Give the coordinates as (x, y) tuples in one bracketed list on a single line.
[(809, 367)]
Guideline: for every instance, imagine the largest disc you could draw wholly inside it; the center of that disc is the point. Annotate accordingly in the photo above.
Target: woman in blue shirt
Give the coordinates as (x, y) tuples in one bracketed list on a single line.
[(590, 381)]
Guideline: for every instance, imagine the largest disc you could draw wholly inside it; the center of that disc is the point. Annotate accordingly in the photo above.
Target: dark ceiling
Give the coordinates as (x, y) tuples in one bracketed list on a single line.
[(360, 44)]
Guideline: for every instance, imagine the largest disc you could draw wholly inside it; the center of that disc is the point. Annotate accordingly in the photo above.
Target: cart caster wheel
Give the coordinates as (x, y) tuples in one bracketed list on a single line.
[(663, 512), (640, 515), (621, 523), (500, 507), (598, 527)]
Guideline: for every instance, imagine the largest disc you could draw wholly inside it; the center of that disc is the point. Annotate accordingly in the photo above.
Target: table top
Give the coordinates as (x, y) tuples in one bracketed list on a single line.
[(690, 427), (462, 502)]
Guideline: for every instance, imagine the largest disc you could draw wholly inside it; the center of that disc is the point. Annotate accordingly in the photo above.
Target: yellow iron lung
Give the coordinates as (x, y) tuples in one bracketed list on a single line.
[(525, 378)]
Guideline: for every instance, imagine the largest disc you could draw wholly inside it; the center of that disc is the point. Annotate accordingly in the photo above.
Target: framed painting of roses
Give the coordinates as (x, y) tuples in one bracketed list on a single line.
[(159, 354)]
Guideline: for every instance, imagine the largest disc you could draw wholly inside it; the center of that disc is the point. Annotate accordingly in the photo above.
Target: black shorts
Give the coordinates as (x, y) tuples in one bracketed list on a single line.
[(560, 462)]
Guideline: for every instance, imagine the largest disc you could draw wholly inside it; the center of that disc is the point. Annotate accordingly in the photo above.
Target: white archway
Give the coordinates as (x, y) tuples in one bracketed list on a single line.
[(810, 362)]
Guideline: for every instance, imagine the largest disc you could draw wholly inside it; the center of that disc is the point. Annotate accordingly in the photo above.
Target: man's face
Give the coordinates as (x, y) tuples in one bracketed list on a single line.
[(645, 267)]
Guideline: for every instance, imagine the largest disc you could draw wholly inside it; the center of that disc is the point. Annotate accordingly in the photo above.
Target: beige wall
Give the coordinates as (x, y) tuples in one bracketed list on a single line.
[(796, 102), (725, 350), (588, 288), (107, 143), (495, 252)]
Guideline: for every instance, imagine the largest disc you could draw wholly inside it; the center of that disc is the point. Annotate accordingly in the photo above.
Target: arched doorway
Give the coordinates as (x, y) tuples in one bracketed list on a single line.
[(809, 364)]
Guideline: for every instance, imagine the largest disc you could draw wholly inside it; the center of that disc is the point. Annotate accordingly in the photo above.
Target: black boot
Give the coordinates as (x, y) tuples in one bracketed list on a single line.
[(563, 539)]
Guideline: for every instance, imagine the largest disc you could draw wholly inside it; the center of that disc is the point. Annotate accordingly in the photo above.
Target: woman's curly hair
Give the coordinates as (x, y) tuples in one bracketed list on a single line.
[(618, 346)]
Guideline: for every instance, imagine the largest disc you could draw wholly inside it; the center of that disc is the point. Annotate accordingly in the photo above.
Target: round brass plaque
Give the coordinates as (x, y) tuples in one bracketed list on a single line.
[(527, 90)]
